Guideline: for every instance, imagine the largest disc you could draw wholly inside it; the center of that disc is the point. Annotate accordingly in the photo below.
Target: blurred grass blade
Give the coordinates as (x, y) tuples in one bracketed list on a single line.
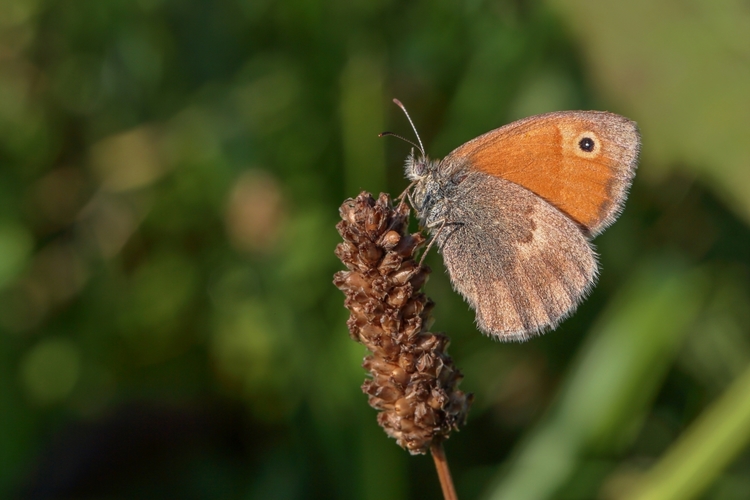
[(362, 119), (704, 450), (612, 382)]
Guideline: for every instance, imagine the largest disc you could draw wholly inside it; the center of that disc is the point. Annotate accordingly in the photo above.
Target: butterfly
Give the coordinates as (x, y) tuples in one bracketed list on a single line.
[(514, 210)]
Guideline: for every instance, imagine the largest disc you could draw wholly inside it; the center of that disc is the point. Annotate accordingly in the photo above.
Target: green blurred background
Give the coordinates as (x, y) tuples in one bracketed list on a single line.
[(170, 174)]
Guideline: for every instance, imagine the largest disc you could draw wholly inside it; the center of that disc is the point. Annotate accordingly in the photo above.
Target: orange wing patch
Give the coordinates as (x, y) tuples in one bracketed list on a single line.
[(580, 162)]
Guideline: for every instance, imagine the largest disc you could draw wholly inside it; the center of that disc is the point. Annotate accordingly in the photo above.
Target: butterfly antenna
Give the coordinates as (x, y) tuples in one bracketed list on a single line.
[(403, 108), (384, 134)]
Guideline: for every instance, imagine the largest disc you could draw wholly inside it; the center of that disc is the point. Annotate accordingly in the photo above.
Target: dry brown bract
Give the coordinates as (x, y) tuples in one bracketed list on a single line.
[(413, 381)]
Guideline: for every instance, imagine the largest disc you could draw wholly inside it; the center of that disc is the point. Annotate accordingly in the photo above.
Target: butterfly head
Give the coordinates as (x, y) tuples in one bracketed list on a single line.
[(421, 171), (425, 186), (417, 168)]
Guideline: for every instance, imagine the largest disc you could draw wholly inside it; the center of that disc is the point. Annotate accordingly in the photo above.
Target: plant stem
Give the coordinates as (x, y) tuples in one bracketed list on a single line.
[(444, 473)]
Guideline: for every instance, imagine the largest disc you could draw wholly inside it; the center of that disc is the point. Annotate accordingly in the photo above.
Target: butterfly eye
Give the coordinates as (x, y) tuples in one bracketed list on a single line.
[(587, 144)]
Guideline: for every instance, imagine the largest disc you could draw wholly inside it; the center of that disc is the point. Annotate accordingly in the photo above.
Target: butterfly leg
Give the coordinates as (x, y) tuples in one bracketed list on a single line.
[(406, 193), (433, 239), (411, 200)]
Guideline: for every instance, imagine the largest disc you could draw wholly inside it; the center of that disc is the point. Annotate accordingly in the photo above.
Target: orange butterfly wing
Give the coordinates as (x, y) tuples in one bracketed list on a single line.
[(582, 162)]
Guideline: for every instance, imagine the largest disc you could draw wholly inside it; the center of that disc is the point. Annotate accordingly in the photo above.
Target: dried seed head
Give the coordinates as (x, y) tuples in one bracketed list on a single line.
[(413, 382)]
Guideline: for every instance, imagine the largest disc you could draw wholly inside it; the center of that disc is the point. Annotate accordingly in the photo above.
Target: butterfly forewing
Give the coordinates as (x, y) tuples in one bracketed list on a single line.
[(582, 162)]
